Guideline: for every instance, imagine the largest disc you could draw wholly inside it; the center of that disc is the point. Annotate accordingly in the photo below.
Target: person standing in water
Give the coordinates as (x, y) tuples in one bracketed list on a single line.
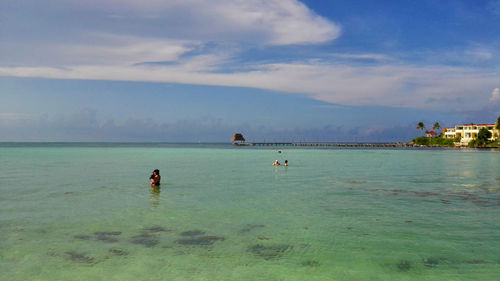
[(155, 178), (286, 162)]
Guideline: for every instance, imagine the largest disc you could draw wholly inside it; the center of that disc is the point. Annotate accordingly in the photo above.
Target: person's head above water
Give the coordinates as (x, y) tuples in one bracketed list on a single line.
[(155, 178)]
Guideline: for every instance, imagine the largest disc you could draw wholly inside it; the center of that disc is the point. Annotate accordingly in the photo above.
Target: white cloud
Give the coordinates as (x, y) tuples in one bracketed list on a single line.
[(495, 96), (121, 32), (13, 119), (374, 57), (9, 116), (275, 22), (102, 49), (286, 22), (387, 85), (480, 54), (126, 50)]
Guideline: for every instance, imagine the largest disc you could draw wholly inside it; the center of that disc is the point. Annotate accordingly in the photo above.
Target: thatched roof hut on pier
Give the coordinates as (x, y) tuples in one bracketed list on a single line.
[(238, 139)]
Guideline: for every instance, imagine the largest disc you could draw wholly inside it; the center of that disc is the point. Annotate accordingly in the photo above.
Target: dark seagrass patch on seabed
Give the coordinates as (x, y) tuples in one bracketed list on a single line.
[(269, 252), (398, 191), (145, 239), (425, 194), (40, 231), (118, 252), (431, 262), (155, 229), (79, 257), (52, 253), (200, 240), (192, 233), (311, 263), (82, 237), (403, 265), (356, 182), (106, 233), (447, 202), (108, 237), (466, 196), (250, 227)]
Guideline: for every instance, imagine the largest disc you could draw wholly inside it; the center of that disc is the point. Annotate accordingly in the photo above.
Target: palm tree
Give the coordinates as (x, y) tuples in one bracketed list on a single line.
[(420, 126), (436, 126), (497, 127)]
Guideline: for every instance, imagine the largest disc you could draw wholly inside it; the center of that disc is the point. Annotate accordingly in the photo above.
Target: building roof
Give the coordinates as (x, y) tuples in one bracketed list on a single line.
[(472, 124), (431, 133), (238, 137)]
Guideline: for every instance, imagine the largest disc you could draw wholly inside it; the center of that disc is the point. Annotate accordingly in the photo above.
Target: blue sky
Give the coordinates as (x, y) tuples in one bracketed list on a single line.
[(284, 70)]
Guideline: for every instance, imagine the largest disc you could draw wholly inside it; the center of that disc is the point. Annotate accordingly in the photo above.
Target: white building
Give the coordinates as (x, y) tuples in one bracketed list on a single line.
[(468, 132)]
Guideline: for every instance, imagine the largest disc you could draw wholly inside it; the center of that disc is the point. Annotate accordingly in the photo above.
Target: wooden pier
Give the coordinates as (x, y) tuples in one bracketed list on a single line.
[(322, 144)]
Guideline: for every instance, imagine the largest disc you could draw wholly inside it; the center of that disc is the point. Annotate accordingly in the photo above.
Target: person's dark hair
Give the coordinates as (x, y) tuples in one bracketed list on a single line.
[(156, 171)]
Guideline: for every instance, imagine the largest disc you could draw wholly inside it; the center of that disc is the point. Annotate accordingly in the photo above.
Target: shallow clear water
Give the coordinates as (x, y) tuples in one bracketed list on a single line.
[(86, 212)]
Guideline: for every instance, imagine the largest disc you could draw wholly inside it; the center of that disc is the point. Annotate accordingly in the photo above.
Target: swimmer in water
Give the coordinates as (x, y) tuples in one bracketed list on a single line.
[(276, 163), (286, 163), (155, 178)]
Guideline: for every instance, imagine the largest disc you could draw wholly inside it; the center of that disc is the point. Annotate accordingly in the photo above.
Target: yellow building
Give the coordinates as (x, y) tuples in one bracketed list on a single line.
[(468, 132)]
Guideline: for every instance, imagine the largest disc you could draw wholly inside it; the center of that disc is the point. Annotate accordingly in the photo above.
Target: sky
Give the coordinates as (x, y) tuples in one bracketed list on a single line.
[(273, 70)]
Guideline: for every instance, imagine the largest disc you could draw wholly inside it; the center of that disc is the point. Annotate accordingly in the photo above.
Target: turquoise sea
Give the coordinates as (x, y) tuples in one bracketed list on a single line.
[(86, 212)]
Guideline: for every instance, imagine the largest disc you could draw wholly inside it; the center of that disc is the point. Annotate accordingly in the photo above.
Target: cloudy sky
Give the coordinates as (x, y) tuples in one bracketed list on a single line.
[(202, 70)]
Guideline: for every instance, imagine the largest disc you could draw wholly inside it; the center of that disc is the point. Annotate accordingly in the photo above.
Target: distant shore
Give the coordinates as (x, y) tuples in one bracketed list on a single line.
[(267, 145)]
